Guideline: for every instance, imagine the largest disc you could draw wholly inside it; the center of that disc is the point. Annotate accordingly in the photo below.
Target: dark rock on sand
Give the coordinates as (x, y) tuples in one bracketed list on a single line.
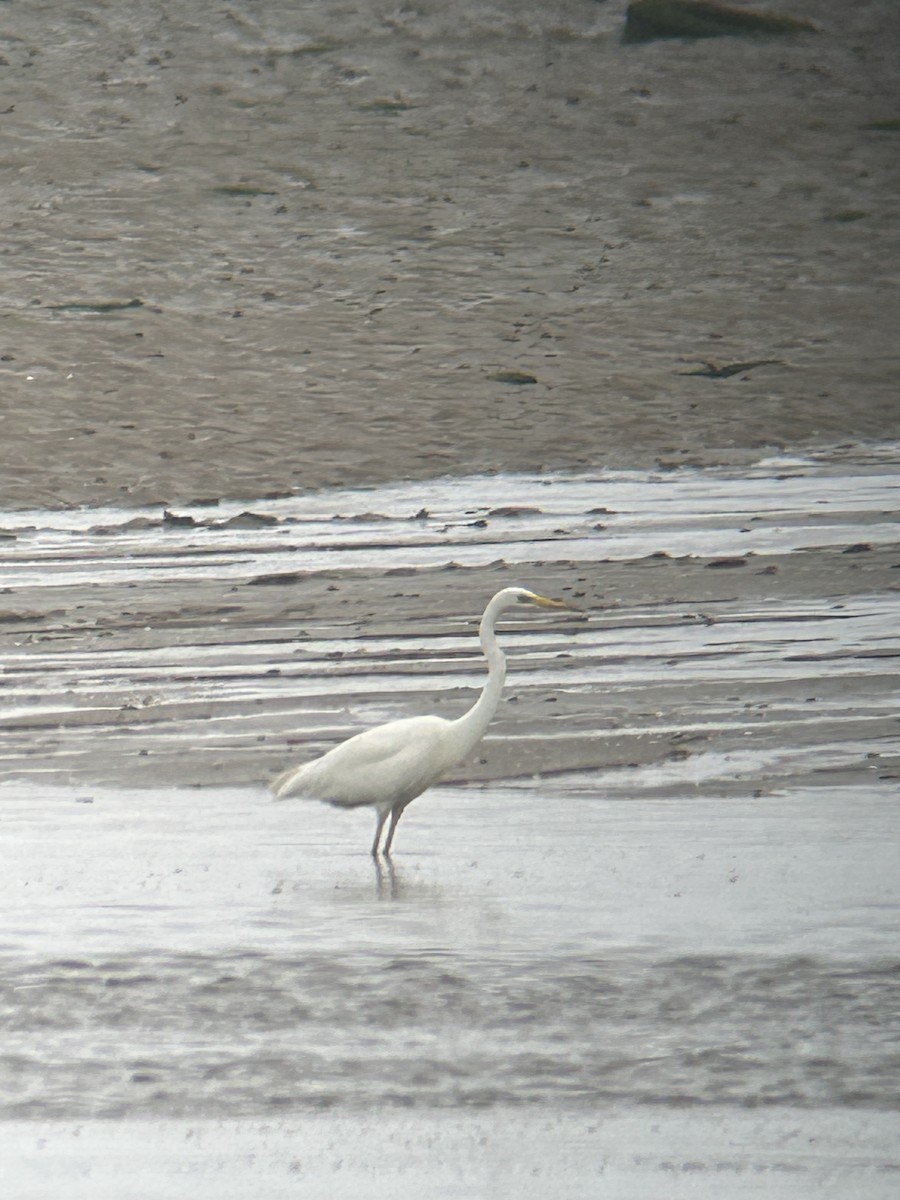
[(517, 378), (247, 520), (647, 20)]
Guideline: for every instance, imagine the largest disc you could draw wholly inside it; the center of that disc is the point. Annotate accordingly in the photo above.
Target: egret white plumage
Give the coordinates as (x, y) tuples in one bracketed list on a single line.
[(388, 766)]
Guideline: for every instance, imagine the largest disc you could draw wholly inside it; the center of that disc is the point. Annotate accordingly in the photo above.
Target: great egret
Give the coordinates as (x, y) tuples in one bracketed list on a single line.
[(390, 765)]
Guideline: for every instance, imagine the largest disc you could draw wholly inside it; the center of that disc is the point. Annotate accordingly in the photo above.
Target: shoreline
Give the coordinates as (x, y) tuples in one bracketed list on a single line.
[(272, 631)]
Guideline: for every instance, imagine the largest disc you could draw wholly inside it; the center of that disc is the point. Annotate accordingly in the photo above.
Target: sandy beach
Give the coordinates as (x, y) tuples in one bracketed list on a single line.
[(319, 326)]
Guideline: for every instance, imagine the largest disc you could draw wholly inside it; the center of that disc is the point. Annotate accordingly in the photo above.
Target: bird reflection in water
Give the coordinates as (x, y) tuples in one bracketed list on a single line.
[(388, 882)]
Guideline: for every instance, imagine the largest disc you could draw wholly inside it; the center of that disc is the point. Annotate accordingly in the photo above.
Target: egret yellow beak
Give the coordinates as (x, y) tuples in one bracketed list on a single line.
[(546, 602)]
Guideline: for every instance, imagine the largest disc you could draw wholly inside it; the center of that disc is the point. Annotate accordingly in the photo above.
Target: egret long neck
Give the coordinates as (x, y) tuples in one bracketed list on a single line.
[(472, 724)]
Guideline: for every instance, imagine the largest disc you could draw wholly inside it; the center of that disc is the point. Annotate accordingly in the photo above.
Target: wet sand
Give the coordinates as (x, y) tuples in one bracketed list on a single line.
[(721, 613), (255, 252)]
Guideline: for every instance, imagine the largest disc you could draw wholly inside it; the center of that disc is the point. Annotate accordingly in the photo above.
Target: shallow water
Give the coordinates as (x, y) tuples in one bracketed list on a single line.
[(779, 506), (682, 1155), (211, 953)]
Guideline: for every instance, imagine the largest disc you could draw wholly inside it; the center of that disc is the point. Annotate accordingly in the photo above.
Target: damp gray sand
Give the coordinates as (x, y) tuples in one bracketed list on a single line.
[(251, 251), (207, 645)]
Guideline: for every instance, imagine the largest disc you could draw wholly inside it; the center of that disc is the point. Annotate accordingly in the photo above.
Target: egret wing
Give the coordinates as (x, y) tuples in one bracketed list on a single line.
[(393, 762)]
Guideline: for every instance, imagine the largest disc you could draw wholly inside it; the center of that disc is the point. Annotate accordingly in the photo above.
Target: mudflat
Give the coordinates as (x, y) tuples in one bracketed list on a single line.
[(265, 252)]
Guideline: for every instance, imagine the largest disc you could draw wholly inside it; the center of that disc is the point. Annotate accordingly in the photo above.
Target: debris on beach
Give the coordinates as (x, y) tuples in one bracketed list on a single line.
[(712, 370)]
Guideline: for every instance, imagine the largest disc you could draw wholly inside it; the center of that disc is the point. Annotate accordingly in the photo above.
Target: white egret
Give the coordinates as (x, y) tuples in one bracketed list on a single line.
[(390, 765)]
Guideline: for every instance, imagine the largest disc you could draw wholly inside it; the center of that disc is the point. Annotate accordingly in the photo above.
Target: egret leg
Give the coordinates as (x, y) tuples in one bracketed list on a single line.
[(396, 814), (379, 825)]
